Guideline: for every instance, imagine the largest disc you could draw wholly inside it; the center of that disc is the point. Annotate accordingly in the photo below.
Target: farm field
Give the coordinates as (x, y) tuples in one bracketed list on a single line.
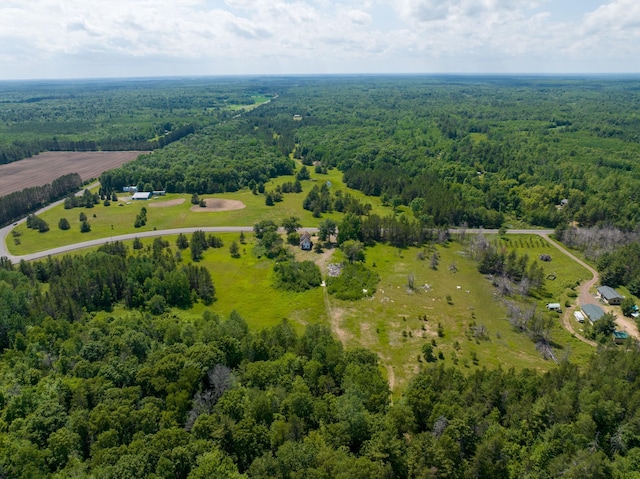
[(46, 167)]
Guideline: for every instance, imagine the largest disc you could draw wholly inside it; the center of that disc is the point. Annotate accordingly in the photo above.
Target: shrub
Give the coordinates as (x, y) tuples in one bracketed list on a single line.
[(297, 276), (355, 282), (63, 224)]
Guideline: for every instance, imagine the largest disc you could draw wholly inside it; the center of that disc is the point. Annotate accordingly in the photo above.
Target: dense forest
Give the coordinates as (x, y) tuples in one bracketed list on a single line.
[(101, 375), (135, 114), (479, 151)]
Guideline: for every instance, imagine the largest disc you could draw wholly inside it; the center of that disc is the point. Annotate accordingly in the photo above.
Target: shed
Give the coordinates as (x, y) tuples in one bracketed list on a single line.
[(141, 195), (609, 295), (305, 241), (620, 336), (593, 312)]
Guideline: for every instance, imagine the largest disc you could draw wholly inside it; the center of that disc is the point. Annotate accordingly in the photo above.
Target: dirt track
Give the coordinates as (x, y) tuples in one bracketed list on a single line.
[(46, 167), (586, 297)]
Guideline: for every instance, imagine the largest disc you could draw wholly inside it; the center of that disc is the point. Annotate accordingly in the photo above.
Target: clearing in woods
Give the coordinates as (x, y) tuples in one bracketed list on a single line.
[(46, 167)]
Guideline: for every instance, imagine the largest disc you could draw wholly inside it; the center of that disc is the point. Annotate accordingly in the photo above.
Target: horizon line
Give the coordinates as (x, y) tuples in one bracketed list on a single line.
[(317, 75)]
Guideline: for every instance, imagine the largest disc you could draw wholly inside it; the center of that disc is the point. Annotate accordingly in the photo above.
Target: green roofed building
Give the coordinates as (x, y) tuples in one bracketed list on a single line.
[(620, 336)]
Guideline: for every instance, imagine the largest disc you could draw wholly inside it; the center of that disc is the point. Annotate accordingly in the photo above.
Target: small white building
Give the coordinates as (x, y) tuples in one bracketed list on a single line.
[(579, 316), (141, 195), (554, 307)]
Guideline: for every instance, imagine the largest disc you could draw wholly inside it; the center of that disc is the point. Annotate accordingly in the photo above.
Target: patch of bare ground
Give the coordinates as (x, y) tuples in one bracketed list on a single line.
[(46, 167), (324, 259), (166, 204), (335, 316), (391, 376), (366, 336), (218, 204)]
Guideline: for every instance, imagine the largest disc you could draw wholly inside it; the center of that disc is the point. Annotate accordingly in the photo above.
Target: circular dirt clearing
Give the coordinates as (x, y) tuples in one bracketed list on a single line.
[(217, 204), (166, 204)]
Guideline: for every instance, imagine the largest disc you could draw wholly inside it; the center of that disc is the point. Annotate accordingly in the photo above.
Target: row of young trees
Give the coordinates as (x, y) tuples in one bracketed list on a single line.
[(20, 203)]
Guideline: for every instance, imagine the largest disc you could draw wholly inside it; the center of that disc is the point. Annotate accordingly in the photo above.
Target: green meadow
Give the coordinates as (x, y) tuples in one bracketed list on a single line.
[(119, 217), (445, 307), (458, 313)]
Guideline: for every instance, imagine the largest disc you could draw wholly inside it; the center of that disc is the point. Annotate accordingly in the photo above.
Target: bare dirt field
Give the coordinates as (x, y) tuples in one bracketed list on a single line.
[(46, 167), (217, 204), (166, 204)]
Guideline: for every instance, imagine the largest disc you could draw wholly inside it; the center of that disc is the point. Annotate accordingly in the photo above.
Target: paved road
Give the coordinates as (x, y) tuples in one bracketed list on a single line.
[(585, 297), (4, 232), (131, 236)]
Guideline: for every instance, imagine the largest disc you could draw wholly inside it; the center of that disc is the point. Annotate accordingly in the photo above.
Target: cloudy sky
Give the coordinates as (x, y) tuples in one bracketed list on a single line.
[(125, 38)]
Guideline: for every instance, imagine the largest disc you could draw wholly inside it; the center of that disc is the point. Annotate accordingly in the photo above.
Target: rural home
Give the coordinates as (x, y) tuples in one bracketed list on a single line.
[(609, 295), (141, 195), (593, 312), (554, 307), (305, 241)]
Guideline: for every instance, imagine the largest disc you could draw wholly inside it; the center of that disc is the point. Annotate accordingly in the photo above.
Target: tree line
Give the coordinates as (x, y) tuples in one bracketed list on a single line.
[(20, 203)]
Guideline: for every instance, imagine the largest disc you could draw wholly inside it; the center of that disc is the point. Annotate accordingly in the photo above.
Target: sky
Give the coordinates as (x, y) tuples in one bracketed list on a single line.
[(46, 39)]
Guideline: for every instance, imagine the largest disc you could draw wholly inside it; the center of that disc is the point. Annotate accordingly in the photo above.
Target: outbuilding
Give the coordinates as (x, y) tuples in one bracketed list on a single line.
[(141, 195), (554, 307), (593, 312), (609, 295), (620, 336)]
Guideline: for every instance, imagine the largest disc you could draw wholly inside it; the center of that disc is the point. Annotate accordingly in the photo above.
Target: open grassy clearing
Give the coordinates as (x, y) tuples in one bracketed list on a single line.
[(392, 321), (115, 220)]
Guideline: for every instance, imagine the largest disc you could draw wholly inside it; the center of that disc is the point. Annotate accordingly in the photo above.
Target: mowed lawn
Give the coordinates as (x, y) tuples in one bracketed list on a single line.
[(114, 220)]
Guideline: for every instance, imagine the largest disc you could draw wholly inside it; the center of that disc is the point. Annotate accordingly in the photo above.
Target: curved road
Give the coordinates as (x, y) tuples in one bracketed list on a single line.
[(584, 297)]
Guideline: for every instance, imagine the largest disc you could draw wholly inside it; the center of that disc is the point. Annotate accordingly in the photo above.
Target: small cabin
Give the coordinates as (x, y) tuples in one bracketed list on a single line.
[(305, 242), (620, 336)]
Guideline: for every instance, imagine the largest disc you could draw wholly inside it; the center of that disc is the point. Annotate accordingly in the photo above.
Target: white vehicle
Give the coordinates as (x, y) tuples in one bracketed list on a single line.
[(579, 316)]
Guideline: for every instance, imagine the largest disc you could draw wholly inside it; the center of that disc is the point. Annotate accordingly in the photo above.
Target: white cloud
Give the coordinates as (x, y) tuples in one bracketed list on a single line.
[(285, 36)]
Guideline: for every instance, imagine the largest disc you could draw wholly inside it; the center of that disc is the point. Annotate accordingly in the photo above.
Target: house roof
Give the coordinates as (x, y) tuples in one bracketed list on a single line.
[(607, 292), (593, 312), (141, 195)]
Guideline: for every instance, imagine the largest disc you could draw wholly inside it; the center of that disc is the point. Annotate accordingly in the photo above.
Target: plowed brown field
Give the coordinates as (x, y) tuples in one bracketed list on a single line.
[(46, 167)]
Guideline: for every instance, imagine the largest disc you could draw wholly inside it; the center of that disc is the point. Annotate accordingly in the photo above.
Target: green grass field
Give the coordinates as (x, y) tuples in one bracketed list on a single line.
[(116, 220), (391, 322)]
